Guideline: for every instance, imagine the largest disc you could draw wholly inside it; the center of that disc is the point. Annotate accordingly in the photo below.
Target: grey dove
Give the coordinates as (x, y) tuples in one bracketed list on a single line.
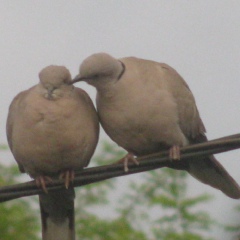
[(146, 106), (52, 130)]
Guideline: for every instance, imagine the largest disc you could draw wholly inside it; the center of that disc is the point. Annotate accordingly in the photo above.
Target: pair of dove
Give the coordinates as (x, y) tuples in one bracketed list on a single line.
[(144, 106)]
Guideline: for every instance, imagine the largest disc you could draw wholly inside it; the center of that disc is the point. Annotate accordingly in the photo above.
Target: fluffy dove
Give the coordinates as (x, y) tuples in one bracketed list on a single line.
[(52, 129), (146, 106)]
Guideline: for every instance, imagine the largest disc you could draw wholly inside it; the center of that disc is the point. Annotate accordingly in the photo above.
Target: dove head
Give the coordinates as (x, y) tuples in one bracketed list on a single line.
[(100, 69), (54, 80)]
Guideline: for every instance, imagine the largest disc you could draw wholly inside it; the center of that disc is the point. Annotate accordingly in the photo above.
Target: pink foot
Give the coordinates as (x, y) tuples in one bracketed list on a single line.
[(41, 182), (174, 153), (68, 176), (125, 160)]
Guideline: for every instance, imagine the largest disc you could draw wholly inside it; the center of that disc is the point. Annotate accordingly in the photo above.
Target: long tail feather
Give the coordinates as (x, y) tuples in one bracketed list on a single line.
[(209, 171)]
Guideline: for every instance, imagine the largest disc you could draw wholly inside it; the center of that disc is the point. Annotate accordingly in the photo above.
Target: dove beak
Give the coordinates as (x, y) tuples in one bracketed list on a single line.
[(78, 78)]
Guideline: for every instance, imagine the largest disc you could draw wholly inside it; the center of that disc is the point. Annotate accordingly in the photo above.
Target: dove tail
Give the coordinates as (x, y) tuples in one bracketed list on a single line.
[(57, 214), (209, 171)]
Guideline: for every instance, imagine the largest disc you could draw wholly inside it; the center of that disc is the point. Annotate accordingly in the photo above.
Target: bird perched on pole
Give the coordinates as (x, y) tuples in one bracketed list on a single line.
[(146, 106), (52, 129)]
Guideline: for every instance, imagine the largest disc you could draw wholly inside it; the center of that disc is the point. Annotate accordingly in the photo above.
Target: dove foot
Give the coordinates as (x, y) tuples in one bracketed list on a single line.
[(68, 177), (174, 153), (41, 182), (128, 158)]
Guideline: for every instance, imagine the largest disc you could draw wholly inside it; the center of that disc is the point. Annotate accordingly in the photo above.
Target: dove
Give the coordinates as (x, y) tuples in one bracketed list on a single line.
[(145, 107), (52, 130)]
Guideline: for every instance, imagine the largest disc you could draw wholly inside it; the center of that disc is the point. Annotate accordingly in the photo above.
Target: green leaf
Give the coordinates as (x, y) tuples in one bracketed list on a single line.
[(164, 201), (191, 202)]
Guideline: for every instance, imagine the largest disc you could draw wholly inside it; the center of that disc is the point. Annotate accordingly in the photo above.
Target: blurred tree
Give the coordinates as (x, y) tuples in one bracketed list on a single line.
[(165, 191), (18, 218), (235, 229), (162, 191), (91, 226)]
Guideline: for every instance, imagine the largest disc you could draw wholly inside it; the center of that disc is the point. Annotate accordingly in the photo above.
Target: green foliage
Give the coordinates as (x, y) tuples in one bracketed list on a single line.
[(165, 191), (3, 147), (109, 154), (235, 228), (97, 193), (156, 207), (18, 219), (93, 227), (89, 225), (171, 235)]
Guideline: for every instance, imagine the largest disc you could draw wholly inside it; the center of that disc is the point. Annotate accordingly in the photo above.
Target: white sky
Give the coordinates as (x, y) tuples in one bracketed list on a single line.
[(200, 39)]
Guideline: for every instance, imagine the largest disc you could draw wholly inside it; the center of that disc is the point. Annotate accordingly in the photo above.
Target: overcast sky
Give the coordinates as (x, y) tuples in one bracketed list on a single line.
[(200, 39)]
